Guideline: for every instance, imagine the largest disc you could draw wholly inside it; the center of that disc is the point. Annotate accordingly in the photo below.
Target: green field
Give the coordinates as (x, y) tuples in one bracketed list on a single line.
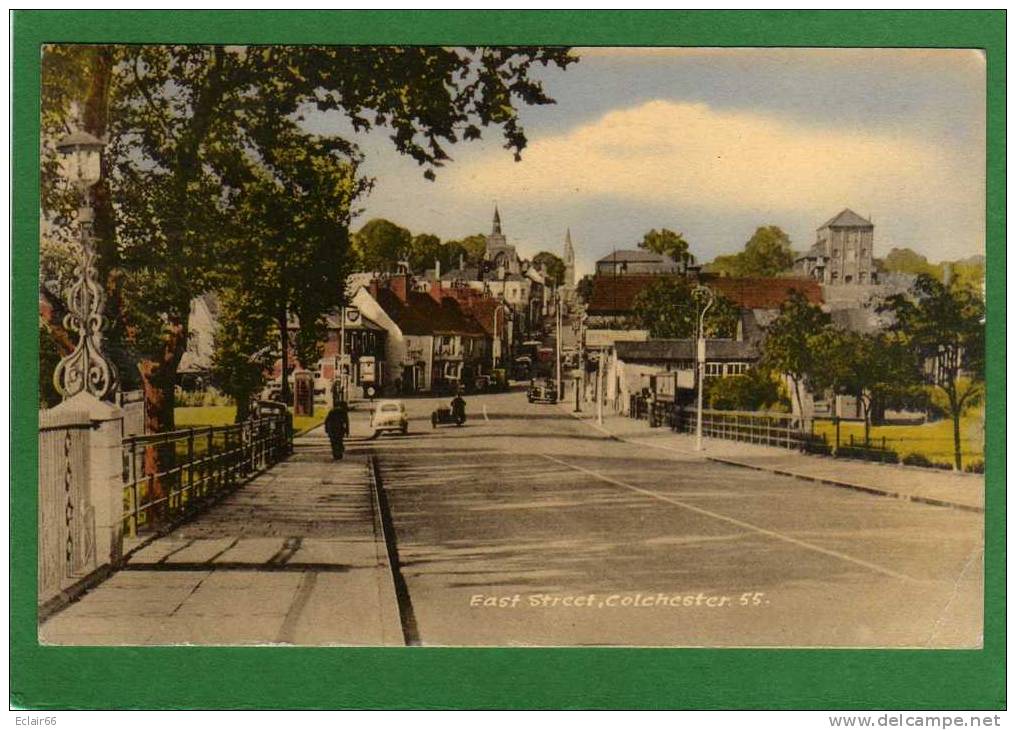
[(194, 416), (934, 440)]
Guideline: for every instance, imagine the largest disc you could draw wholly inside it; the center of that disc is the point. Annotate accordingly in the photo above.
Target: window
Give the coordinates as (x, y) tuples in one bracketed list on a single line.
[(861, 277), (714, 369), (737, 368), (836, 253)]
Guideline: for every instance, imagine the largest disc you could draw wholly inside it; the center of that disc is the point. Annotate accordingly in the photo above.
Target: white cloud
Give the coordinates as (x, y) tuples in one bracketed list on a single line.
[(689, 154)]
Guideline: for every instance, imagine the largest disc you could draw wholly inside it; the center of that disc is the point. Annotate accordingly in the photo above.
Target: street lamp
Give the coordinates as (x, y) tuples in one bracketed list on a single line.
[(701, 294), (86, 369)]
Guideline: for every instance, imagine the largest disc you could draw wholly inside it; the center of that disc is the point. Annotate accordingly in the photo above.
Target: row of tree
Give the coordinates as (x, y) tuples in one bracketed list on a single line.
[(383, 246), (930, 352), (931, 349), (212, 181)]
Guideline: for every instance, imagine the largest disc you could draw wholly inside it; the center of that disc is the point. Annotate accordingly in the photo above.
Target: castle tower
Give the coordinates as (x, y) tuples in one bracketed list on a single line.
[(569, 260)]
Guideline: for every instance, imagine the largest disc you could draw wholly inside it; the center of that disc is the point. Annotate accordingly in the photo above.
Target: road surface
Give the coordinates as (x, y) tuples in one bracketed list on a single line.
[(529, 527)]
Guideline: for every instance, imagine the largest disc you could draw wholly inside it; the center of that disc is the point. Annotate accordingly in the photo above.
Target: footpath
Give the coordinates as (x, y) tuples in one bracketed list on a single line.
[(928, 486), (296, 556)]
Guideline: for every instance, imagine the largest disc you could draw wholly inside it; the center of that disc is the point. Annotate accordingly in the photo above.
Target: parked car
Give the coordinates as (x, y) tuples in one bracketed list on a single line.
[(542, 391), (389, 415), (481, 384)]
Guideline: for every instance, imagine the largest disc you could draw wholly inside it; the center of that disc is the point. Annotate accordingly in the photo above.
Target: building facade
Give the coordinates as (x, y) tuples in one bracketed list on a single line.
[(842, 252)]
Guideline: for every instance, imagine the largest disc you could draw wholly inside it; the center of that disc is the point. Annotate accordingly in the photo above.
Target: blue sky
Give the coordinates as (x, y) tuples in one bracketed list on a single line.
[(713, 143)]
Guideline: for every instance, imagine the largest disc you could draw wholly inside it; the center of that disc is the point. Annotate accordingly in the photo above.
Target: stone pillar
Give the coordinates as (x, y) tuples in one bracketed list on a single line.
[(105, 472)]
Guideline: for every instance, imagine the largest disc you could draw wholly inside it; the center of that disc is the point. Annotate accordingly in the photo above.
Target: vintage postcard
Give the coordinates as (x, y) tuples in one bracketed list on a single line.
[(512, 346)]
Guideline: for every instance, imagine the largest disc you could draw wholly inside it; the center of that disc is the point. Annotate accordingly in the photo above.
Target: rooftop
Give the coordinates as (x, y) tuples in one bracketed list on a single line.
[(617, 294), (847, 218)]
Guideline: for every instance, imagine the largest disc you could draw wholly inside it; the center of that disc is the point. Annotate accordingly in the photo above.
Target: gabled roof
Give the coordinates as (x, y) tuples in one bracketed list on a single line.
[(661, 350), (616, 295), (640, 255), (421, 315), (847, 218)]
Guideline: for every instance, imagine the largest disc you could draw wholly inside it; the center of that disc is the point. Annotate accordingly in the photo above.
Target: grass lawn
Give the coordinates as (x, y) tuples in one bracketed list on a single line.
[(190, 417), (932, 440)]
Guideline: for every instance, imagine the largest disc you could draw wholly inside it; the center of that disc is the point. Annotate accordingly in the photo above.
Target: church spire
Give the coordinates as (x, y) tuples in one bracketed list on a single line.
[(497, 221)]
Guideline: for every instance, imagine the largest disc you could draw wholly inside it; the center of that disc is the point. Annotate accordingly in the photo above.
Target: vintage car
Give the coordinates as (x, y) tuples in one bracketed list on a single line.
[(542, 391), (389, 415)]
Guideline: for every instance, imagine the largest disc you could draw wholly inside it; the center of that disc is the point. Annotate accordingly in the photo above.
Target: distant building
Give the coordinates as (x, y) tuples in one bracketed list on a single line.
[(612, 302), (636, 261), (569, 261), (501, 254), (842, 252)]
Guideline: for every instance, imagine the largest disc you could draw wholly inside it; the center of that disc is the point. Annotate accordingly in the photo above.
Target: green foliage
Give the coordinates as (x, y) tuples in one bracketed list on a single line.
[(380, 245), (943, 327), (201, 136), (908, 261), (668, 309), (966, 273), (584, 287), (871, 367), (668, 243), (767, 253), (471, 248), (786, 347), (552, 265), (424, 250), (756, 390)]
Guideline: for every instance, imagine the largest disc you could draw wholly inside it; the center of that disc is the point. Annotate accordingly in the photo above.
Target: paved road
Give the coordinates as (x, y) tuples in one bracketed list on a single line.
[(528, 527)]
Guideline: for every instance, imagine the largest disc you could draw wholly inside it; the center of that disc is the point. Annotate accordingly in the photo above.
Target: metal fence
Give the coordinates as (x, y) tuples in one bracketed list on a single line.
[(171, 474), (753, 427)]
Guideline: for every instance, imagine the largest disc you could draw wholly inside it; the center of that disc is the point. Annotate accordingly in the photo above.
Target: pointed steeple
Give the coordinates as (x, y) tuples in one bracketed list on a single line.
[(497, 222), (569, 260)]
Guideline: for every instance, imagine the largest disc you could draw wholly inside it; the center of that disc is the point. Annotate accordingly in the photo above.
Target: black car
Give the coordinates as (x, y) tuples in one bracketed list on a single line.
[(542, 391)]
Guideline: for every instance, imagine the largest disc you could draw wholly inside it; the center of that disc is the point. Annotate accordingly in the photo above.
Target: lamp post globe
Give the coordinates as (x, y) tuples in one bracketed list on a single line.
[(80, 159)]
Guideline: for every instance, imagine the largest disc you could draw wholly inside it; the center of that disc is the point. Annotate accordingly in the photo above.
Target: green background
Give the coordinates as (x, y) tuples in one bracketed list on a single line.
[(179, 677)]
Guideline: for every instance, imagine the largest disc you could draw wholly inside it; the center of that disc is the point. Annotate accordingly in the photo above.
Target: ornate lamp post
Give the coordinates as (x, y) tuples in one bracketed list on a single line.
[(86, 369), (704, 296)]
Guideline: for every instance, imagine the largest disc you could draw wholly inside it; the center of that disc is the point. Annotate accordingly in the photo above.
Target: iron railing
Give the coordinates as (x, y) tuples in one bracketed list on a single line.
[(170, 474), (761, 427)]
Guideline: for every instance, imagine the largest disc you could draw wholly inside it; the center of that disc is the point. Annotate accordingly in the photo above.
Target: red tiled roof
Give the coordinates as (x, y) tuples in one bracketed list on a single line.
[(419, 314), (616, 294)]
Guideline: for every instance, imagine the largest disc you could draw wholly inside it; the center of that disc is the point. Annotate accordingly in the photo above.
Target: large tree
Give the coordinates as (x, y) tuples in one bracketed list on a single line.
[(766, 253), (380, 245), (872, 367), (185, 122), (424, 250), (786, 349), (668, 243), (668, 308), (552, 265), (944, 328)]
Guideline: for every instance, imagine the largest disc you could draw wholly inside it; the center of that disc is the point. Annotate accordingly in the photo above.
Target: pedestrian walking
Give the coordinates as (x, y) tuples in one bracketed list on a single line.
[(337, 428)]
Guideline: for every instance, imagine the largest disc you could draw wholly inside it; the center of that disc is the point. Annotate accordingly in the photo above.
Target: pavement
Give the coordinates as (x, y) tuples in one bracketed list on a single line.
[(293, 557), (929, 486), (528, 527)]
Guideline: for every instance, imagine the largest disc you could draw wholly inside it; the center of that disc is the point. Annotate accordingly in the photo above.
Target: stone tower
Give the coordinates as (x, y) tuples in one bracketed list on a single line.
[(499, 251), (842, 253), (569, 260)]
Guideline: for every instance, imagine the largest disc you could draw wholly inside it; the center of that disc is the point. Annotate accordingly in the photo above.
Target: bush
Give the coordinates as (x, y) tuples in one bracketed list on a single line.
[(924, 461), (975, 467), (816, 445), (199, 398), (884, 456)]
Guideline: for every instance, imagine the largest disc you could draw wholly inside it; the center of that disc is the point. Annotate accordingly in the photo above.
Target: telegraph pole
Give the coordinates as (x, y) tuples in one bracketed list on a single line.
[(557, 342)]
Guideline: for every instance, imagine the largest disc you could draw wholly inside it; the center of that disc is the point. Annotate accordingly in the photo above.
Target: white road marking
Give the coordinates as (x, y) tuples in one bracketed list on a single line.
[(733, 521), (485, 413)]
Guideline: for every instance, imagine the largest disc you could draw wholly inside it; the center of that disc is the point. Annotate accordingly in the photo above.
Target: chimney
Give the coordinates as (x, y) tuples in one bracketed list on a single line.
[(462, 262), (399, 285), (437, 269), (947, 273)]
